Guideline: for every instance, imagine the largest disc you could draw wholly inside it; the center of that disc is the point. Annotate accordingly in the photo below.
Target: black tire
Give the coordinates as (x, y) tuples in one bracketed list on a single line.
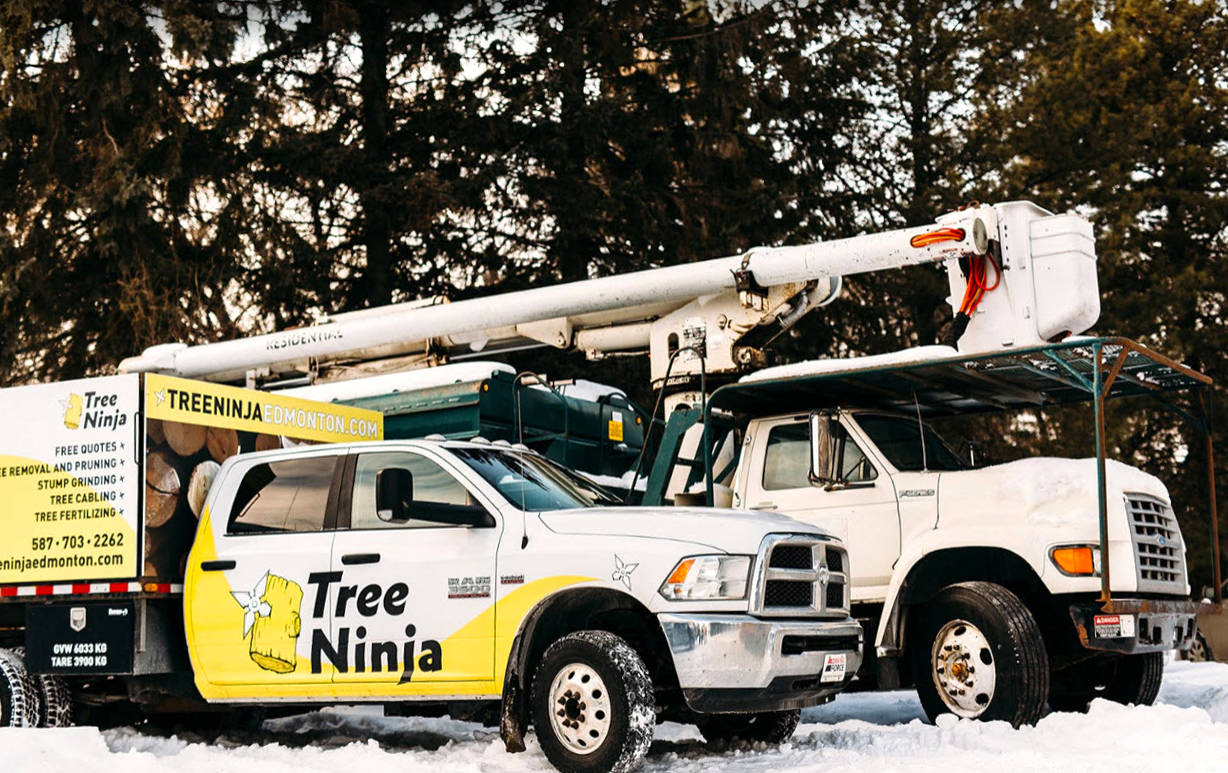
[(55, 701), (769, 727), (14, 692), (985, 626), (36, 710), (620, 732), (1199, 651), (1125, 679)]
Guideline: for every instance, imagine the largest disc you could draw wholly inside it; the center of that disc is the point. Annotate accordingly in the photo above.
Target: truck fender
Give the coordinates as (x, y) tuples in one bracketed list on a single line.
[(935, 561), (562, 612)]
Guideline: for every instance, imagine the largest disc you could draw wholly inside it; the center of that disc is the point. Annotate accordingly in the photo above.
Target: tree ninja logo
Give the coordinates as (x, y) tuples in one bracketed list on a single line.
[(361, 655), (93, 411)]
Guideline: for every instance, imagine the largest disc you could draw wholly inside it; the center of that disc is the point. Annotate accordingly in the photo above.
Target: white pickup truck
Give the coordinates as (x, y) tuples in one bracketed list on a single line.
[(428, 576), (450, 572), (991, 590)]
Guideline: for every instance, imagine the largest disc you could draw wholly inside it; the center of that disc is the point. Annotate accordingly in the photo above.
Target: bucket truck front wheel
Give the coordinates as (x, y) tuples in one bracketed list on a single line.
[(593, 704), (978, 653), (1125, 679)]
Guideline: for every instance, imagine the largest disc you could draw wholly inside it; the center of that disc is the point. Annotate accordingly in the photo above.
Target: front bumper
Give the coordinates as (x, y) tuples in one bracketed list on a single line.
[(739, 663), (1135, 626)]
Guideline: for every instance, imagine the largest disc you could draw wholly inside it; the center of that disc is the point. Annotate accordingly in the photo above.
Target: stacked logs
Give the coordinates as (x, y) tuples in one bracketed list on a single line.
[(181, 461)]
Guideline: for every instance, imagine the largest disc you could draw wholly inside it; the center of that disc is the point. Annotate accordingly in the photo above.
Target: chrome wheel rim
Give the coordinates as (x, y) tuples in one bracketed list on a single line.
[(1197, 653), (964, 669), (579, 708)]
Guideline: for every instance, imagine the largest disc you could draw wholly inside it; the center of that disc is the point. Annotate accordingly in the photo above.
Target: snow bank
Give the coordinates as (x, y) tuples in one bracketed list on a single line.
[(823, 367), (873, 732)]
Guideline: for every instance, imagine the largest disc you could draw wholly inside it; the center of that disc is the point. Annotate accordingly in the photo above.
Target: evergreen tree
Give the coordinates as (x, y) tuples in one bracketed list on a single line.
[(115, 209), (1127, 122)]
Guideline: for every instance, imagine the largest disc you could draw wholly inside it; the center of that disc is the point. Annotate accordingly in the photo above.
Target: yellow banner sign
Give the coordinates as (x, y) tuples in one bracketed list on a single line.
[(217, 405)]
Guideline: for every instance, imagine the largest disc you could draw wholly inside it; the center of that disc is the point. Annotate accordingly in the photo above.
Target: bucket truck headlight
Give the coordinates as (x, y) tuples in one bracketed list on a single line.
[(712, 578), (1077, 560)]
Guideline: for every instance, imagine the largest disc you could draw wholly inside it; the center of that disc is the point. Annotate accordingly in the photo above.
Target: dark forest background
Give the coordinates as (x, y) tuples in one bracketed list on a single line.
[(191, 171)]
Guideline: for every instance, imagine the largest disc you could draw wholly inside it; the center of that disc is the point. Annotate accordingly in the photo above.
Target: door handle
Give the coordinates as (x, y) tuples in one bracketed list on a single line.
[(350, 559), (216, 566), (764, 506)]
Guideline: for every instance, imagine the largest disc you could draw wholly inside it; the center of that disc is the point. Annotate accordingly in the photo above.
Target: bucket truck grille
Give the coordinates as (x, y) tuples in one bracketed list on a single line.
[(1157, 544), (801, 576)]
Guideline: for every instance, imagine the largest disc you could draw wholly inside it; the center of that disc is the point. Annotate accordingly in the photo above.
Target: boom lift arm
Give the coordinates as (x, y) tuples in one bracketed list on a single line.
[(727, 308)]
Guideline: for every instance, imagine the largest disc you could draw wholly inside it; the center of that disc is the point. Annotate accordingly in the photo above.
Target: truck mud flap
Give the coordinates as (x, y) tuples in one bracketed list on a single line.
[(1135, 626), (91, 638)]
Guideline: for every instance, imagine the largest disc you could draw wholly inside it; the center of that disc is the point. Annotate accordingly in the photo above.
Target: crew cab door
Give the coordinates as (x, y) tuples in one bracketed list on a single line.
[(863, 513), (413, 602), (248, 605)]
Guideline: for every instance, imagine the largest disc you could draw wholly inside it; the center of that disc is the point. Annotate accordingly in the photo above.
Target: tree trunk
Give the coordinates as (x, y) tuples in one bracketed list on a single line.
[(373, 33)]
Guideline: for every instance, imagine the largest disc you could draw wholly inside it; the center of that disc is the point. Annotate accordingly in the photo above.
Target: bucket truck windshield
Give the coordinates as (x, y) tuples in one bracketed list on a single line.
[(531, 482), (899, 439)]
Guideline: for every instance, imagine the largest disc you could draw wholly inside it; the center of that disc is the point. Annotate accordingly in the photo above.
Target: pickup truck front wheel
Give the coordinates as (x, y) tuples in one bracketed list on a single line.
[(978, 654), (769, 727), (593, 704)]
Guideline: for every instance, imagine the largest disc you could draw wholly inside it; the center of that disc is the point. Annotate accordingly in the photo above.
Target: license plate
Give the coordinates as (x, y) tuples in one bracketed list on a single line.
[(1114, 626), (833, 668)]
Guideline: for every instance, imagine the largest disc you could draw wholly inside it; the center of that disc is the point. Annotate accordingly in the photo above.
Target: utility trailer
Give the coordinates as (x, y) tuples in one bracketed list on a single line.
[(1087, 553)]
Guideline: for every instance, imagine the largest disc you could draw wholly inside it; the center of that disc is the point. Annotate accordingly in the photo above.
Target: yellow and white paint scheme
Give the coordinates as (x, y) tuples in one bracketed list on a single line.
[(226, 407), (413, 613), (70, 481), (71, 468)]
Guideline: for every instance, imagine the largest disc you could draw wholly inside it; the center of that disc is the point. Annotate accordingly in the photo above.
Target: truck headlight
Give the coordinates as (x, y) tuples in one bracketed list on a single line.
[(1077, 560), (716, 578)]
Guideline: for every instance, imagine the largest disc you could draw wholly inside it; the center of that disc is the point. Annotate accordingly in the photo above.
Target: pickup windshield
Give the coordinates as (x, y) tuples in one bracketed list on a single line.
[(531, 482), (899, 440)]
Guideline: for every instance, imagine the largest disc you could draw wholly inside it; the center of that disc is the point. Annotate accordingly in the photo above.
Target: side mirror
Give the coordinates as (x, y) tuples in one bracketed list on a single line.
[(394, 492), (823, 450)]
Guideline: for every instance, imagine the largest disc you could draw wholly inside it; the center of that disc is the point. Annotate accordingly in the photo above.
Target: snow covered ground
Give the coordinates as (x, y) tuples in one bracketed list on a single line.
[(1186, 731)]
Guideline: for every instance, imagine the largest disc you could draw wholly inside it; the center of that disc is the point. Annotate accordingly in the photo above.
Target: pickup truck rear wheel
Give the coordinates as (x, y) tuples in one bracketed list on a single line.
[(1125, 679), (55, 701), (593, 704), (15, 698), (978, 653), (770, 727)]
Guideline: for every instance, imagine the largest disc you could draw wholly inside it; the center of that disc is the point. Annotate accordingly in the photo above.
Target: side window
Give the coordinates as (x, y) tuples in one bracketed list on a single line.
[(855, 467), (434, 487), (786, 464), (283, 496)]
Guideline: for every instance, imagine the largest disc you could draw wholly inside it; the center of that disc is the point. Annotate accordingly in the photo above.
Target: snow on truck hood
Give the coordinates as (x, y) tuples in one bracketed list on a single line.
[(1049, 492), (731, 531)]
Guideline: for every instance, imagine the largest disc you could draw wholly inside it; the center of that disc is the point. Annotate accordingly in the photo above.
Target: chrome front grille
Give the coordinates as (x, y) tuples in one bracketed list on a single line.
[(1158, 546), (801, 576)]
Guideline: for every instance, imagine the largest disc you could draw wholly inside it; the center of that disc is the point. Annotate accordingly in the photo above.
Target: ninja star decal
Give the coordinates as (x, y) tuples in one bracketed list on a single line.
[(622, 571), (253, 604)]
